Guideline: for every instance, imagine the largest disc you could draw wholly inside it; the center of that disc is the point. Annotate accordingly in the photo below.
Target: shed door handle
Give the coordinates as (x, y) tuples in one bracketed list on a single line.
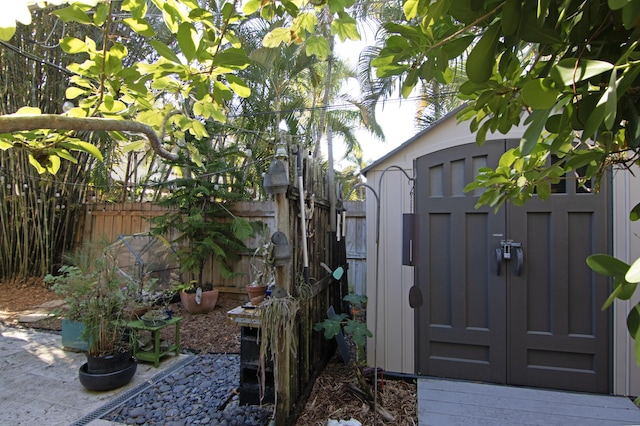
[(519, 260)]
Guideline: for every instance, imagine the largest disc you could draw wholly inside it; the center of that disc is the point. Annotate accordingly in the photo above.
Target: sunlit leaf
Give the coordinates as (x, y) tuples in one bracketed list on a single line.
[(6, 33), (35, 163), (73, 13), (539, 94), (277, 36), (73, 45), (318, 46), (164, 51), (633, 274), (83, 146), (74, 92), (345, 27), (134, 146), (28, 111), (140, 26), (186, 40), (239, 86)]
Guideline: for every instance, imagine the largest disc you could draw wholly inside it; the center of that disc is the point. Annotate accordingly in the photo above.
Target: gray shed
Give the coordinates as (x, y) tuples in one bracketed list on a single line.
[(529, 318)]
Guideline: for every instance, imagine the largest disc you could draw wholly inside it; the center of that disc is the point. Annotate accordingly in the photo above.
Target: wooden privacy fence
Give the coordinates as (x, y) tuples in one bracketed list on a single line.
[(105, 221), (295, 374)]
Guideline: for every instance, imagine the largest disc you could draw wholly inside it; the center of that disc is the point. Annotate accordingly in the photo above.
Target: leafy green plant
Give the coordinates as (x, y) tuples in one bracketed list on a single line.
[(625, 281), (353, 326), (97, 296), (199, 221)]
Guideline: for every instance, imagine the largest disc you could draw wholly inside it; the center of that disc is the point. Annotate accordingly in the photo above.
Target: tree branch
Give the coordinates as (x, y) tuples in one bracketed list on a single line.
[(16, 123)]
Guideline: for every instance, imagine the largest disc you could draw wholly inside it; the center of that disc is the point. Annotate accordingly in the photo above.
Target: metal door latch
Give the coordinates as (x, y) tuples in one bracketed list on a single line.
[(509, 248)]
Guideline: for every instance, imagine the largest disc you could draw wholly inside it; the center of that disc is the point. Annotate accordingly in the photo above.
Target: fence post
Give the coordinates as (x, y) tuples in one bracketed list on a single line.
[(283, 280)]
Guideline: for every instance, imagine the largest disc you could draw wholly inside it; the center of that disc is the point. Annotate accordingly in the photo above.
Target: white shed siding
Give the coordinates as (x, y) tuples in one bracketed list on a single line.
[(626, 246)]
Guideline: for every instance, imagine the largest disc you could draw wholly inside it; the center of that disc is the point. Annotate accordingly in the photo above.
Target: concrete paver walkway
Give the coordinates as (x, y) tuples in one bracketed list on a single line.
[(40, 381)]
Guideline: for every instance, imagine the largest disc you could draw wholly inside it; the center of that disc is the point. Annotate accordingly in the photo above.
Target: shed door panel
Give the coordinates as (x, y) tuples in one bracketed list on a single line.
[(461, 325), (541, 328), (559, 337)]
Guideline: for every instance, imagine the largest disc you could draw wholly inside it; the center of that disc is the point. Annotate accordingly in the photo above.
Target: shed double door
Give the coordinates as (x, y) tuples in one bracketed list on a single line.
[(531, 317)]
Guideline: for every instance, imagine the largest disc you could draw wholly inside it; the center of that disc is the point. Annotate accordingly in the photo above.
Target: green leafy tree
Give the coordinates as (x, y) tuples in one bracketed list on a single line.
[(170, 95), (199, 221)]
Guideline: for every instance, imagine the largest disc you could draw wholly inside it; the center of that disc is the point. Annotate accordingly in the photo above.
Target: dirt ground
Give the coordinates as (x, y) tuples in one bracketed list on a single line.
[(214, 333)]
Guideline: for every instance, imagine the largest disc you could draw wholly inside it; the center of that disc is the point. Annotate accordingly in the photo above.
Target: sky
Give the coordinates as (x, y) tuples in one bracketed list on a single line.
[(394, 115)]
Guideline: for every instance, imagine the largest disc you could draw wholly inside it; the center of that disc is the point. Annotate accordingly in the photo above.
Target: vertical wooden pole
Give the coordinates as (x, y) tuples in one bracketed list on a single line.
[(283, 280)]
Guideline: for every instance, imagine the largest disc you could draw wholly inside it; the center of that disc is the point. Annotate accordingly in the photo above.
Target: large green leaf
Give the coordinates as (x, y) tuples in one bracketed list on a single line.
[(138, 8), (239, 86), (569, 71), (73, 13), (73, 45), (617, 4), (83, 146), (607, 265), (634, 215), (187, 35), (6, 33), (231, 58), (539, 93), (134, 146), (630, 13), (511, 16), (318, 46), (277, 36), (345, 27), (140, 26), (73, 92), (410, 8), (251, 6), (482, 57), (537, 120), (596, 118), (633, 324), (164, 51)]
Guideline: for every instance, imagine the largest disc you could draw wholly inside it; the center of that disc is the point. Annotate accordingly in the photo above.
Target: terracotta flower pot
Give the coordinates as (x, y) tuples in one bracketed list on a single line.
[(256, 294), (207, 302)]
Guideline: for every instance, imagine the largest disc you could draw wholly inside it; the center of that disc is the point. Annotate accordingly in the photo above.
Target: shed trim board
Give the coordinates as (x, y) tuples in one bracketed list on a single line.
[(389, 315)]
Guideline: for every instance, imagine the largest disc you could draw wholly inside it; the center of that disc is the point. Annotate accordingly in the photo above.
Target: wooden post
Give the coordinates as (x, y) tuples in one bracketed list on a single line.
[(283, 280)]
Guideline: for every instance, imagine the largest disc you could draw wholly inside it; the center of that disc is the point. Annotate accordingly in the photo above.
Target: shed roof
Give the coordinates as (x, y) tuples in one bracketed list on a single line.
[(418, 136)]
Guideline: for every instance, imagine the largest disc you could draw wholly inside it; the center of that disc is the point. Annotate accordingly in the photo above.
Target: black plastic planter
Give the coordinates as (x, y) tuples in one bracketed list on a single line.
[(107, 381), (108, 363)]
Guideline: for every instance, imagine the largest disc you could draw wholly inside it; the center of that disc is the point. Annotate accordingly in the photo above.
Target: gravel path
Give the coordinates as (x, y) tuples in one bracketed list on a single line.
[(200, 393)]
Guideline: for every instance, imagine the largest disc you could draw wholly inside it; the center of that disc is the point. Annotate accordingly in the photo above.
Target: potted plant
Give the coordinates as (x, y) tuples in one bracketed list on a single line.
[(96, 296), (195, 299)]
